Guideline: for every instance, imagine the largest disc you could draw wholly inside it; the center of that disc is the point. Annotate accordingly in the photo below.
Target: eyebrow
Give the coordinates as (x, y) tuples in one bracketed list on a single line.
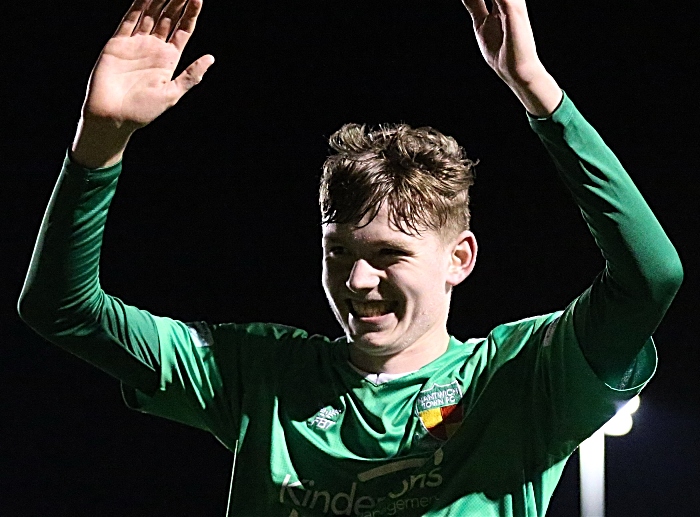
[(381, 243)]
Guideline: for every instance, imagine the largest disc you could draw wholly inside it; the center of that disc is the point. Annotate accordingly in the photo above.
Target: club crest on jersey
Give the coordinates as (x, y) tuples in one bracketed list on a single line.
[(440, 410)]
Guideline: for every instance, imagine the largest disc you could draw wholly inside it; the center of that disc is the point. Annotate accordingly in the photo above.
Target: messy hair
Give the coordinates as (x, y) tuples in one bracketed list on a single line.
[(421, 174)]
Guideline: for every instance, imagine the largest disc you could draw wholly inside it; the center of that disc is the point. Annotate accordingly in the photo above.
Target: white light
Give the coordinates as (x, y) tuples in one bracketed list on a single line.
[(592, 471), (618, 425), (631, 406), (621, 423), (592, 460)]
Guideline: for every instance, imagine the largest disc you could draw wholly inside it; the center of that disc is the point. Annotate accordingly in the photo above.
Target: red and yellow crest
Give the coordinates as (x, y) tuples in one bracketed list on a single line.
[(440, 410)]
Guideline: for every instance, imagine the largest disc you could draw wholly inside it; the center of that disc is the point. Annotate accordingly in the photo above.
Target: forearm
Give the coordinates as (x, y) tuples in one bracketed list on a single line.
[(62, 298), (538, 92), (625, 304)]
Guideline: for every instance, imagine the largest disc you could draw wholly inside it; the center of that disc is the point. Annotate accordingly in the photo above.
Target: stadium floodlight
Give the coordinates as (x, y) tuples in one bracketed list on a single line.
[(621, 423), (592, 460)]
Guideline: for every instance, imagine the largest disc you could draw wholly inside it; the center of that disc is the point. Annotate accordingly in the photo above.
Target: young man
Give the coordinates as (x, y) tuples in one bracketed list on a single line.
[(397, 417)]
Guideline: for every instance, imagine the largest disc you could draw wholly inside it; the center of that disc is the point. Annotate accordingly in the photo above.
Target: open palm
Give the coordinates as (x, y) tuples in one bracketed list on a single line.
[(505, 38), (132, 83)]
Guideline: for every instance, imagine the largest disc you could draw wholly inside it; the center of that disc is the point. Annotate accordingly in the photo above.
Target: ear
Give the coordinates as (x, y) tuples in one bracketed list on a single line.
[(462, 258)]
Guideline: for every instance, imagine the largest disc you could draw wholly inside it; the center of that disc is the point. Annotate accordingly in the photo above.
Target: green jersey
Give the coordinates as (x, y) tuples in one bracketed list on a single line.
[(483, 430)]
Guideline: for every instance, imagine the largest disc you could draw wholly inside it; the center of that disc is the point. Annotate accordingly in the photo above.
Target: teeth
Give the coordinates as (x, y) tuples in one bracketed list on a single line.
[(370, 309)]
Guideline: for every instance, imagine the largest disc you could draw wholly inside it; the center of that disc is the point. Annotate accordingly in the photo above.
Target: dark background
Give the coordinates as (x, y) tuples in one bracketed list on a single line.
[(216, 216)]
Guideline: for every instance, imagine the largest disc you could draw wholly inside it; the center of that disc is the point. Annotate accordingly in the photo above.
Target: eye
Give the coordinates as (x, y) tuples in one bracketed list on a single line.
[(392, 252), (336, 250)]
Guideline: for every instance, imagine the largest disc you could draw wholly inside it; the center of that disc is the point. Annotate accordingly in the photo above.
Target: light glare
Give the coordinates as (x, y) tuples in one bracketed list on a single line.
[(631, 406), (621, 423), (618, 425)]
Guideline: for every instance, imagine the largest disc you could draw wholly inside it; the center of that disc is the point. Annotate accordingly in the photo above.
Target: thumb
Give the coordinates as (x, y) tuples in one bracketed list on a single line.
[(191, 76)]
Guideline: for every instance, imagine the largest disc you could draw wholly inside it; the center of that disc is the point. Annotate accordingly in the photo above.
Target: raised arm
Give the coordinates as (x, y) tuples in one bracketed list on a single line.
[(62, 300), (132, 82), (506, 41), (616, 316)]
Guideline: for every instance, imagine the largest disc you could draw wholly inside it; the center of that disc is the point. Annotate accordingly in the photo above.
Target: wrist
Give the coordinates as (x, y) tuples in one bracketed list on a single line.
[(539, 94), (99, 143)]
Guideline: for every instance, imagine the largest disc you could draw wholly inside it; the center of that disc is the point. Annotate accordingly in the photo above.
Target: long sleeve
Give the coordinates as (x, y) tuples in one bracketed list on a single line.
[(626, 302), (190, 373), (62, 299)]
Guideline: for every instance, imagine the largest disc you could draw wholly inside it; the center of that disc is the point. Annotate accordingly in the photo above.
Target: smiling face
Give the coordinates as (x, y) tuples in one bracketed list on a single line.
[(391, 291)]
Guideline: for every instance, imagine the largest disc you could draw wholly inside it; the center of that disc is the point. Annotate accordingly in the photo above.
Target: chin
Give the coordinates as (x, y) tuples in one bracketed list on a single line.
[(372, 343)]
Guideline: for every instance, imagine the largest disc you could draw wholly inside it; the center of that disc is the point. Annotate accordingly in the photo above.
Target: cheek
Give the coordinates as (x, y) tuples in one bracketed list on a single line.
[(422, 291), (331, 280), (329, 274), (324, 277)]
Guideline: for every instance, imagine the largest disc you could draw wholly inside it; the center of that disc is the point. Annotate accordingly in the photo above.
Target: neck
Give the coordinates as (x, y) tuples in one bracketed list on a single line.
[(424, 351)]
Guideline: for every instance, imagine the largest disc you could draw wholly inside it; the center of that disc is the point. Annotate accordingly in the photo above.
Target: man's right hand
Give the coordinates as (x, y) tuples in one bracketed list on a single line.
[(131, 84)]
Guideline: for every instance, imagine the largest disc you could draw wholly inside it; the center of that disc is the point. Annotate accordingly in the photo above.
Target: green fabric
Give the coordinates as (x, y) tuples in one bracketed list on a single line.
[(319, 438), (626, 302), (483, 430)]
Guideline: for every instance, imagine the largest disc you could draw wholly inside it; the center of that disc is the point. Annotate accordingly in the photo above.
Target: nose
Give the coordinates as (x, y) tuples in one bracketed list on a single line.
[(362, 277)]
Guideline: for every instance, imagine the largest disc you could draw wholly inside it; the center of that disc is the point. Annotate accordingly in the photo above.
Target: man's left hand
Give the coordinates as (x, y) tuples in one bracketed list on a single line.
[(508, 46)]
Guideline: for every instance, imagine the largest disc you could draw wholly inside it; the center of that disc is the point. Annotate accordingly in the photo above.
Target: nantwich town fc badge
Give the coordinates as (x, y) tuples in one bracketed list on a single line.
[(440, 410)]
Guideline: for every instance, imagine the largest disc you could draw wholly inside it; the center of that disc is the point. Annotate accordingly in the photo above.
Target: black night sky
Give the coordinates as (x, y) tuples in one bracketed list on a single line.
[(216, 216)]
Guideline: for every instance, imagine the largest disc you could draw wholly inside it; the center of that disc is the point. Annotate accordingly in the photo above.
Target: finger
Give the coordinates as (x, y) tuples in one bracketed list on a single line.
[(191, 77), (477, 10), (149, 17), (168, 19), (131, 18), (496, 8), (510, 7), (516, 19), (185, 27)]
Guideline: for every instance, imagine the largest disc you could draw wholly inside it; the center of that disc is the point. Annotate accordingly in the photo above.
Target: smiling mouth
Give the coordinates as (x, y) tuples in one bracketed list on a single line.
[(371, 309)]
